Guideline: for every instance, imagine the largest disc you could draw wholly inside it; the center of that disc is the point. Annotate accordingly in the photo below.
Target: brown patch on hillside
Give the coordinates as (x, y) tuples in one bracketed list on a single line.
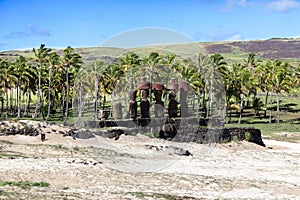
[(217, 48), (271, 49)]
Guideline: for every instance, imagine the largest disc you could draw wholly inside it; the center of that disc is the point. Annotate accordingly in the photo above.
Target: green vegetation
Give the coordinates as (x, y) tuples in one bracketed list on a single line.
[(247, 136), (235, 139), (5, 141), (76, 148), (24, 184), (54, 85), (158, 196), (11, 154)]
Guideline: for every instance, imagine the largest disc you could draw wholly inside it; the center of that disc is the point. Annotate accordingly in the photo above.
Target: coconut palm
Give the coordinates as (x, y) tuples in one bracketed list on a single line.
[(28, 85), (271, 68), (129, 61), (262, 84), (95, 74), (81, 87), (54, 62), (18, 70), (244, 76), (214, 72), (6, 81), (71, 61), (41, 58), (282, 82)]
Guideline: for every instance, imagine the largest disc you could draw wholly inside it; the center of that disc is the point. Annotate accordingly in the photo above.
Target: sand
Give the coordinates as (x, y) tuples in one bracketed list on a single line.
[(139, 167)]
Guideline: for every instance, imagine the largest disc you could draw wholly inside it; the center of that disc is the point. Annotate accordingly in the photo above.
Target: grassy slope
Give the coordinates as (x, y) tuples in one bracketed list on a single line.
[(284, 49)]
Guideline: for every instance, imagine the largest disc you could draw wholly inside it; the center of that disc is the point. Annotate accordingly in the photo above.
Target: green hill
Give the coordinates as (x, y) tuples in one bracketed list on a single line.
[(233, 51)]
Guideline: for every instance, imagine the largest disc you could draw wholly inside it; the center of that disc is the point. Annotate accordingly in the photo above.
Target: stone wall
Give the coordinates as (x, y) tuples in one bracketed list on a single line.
[(215, 135)]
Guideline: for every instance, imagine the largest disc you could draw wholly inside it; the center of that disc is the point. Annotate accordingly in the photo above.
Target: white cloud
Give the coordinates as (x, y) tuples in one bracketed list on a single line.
[(283, 5), (242, 3), (235, 37), (223, 35), (230, 4)]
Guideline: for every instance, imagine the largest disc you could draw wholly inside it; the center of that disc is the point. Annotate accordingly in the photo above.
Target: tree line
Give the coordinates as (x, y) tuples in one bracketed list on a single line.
[(51, 80)]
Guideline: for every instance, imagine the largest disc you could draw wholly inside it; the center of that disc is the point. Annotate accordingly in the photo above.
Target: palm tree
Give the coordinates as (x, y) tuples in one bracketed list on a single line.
[(128, 64), (18, 70), (41, 58), (271, 68), (245, 81), (282, 82), (214, 72), (261, 79), (6, 81), (70, 60), (81, 86), (232, 87), (112, 76), (151, 62), (28, 85), (129, 61), (54, 62), (95, 73)]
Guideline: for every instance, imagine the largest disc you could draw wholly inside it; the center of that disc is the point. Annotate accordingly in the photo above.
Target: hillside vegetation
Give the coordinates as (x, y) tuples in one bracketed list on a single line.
[(258, 79), (275, 48)]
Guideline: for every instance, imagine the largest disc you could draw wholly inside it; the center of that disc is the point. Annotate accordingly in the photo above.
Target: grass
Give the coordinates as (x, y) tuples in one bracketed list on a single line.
[(24, 184), (235, 139), (59, 146), (6, 142), (11, 154), (247, 136), (158, 196), (76, 148)]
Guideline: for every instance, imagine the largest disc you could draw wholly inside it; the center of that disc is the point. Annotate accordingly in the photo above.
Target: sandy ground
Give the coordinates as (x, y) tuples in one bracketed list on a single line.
[(138, 167)]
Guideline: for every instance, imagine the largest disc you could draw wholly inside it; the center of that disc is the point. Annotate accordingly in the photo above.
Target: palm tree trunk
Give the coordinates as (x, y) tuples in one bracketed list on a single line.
[(2, 103), (49, 93), (278, 110), (67, 95), (210, 99), (25, 104), (63, 103), (203, 103), (6, 94), (11, 100), (271, 106), (96, 99), (42, 105), (28, 101), (266, 104), (241, 111), (80, 102), (36, 112), (18, 99)]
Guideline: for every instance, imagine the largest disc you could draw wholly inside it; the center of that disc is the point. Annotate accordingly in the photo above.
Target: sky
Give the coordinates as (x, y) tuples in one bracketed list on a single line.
[(25, 24)]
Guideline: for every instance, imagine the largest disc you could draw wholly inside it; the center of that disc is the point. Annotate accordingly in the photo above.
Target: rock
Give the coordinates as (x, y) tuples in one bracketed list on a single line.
[(184, 152), (114, 133), (81, 134), (168, 131)]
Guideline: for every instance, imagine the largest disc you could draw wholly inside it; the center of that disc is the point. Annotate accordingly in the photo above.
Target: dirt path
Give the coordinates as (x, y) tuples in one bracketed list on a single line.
[(144, 168)]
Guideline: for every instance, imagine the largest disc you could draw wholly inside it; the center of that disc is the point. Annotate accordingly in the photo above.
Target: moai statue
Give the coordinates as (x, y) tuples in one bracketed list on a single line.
[(145, 105), (159, 104), (183, 90), (117, 111), (144, 86), (172, 86), (173, 105), (133, 104)]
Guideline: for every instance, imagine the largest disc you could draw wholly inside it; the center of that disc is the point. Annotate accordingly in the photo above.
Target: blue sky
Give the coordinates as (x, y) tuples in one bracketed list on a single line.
[(58, 23)]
